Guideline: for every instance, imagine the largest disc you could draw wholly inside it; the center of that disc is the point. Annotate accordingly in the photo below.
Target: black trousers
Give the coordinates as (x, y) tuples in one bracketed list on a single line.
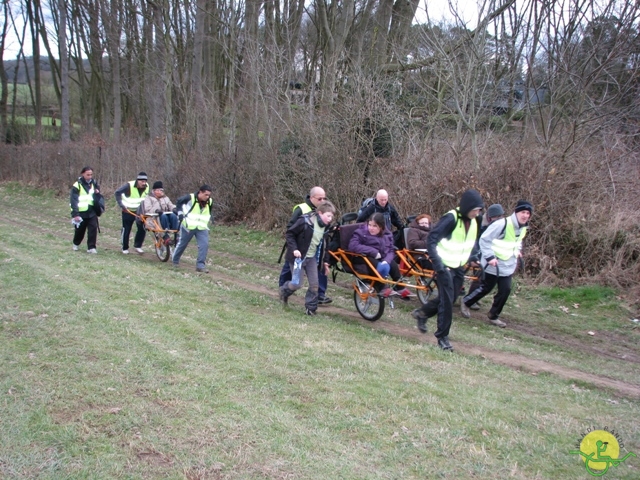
[(127, 224), (89, 226), (499, 299), (449, 283)]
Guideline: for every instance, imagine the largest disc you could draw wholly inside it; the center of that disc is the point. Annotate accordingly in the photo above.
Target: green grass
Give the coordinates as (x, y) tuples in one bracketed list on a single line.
[(119, 367)]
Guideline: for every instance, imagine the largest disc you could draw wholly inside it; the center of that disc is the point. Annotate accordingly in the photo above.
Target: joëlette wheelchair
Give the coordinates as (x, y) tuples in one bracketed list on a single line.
[(366, 279), (151, 222)]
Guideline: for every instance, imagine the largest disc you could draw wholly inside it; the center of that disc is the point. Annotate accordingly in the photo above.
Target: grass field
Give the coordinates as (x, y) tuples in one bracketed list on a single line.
[(120, 367)]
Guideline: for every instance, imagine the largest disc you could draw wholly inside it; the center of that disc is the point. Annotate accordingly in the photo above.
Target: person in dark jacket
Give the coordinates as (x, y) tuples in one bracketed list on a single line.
[(381, 205), (316, 195), (83, 213), (306, 240), (375, 241), (450, 244), (417, 236)]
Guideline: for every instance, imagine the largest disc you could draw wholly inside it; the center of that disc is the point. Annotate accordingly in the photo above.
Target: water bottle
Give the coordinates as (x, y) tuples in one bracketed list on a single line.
[(297, 270)]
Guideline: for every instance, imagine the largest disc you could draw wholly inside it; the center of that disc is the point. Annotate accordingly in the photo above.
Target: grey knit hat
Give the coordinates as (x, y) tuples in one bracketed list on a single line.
[(495, 210)]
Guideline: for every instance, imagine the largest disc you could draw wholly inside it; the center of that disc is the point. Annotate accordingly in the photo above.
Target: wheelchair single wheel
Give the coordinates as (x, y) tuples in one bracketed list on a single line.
[(369, 304), (162, 251), (424, 295)]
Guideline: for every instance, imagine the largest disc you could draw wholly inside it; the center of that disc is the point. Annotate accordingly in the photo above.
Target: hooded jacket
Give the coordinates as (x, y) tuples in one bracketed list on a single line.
[(470, 200)]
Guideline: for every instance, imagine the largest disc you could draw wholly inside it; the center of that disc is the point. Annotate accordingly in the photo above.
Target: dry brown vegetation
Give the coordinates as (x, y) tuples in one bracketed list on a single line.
[(586, 226)]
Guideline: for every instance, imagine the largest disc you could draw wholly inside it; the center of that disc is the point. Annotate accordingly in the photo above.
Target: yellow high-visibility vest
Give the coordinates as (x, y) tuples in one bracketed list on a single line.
[(134, 201), (455, 251), (509, 246), (85, 199), (197, 218)]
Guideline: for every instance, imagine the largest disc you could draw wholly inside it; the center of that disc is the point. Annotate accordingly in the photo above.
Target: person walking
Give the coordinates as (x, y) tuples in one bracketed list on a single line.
[(194, 209), (449, 245), (316, 195), (306, 241), (493, 213), (129, 197), (83, 210), (501, 245)]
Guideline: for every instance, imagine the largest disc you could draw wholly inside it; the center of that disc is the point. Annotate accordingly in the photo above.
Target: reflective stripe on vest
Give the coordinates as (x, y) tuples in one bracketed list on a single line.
[(509, 246), (304, 207), (85, 199), (197, 218), (456, 250), (134, 201)]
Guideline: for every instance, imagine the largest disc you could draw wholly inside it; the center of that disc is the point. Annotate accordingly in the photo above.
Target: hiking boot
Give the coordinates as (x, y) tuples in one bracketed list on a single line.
[(419, 315), (310, 312), (464, 310), (475, 306), (444, 344), (92, 250), (325, 300), (497, 322), (75, 247), (203, 270)]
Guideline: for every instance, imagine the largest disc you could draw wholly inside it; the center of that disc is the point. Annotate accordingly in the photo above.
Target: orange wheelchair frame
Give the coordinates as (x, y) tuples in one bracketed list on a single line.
[(152, 225), (369, 303)]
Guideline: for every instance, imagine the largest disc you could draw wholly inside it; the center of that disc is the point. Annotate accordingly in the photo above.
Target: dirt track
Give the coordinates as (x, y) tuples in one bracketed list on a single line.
[(519, 362)]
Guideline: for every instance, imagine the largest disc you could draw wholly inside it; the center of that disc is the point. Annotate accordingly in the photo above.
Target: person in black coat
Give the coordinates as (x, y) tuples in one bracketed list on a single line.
[(450, 244)]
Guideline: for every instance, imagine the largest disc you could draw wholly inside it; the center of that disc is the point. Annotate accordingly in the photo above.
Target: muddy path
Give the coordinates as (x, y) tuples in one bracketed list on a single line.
[(610, 347)]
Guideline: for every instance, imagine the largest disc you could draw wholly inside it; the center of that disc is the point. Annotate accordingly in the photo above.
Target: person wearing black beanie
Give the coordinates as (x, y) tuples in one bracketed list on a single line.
[(500, 245), (129, 197), (450, 244)]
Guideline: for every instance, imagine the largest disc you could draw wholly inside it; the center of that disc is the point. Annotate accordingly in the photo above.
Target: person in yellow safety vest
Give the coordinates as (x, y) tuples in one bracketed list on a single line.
[(194, 211), (449, 245), (83, 213), (501, 245), (315, 197), (129, 197)]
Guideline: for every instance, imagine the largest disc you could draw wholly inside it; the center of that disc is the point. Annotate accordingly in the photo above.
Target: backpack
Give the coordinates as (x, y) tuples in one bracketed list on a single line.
[(98, 204), (365, 203)]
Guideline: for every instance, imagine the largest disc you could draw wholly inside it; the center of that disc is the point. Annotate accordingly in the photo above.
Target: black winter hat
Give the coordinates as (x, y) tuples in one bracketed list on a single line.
[(157, 184), (142, 176), (524, 205)]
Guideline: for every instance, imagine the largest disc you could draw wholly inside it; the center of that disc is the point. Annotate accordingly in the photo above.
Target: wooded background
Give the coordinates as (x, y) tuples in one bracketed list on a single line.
[(264, 99)]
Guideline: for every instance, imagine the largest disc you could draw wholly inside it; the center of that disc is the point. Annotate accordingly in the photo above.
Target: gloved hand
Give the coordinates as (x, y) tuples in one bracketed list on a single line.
[(159, 211)]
